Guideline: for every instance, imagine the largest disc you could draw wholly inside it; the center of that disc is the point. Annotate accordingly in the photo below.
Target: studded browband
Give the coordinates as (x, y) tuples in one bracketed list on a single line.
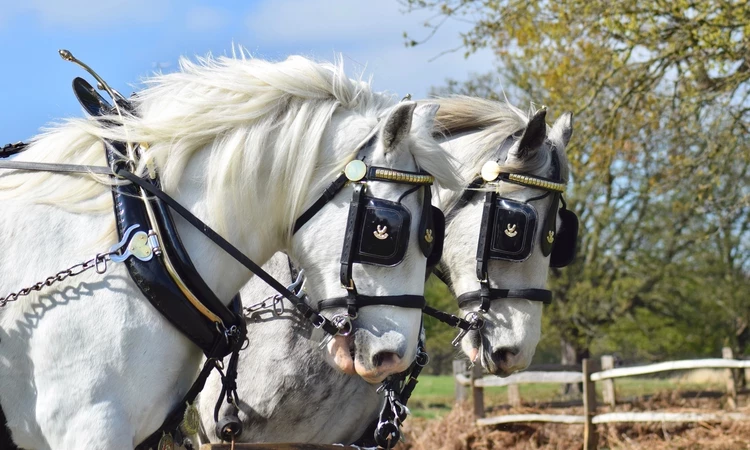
[(356, 170)]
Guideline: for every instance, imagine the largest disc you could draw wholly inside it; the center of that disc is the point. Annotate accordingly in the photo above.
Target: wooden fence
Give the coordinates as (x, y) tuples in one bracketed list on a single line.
[(588, 376), (274, 447)]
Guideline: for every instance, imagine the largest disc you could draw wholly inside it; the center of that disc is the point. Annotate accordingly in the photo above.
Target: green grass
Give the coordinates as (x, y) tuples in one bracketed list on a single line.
[(434, 394)]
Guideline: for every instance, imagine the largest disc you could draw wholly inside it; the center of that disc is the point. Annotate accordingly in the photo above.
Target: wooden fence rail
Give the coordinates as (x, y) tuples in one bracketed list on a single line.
[(588, 376)]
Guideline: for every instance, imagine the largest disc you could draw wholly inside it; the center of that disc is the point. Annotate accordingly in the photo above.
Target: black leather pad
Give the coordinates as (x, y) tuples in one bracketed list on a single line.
[(513, 229), (438, 236), (564, 251), (384, 234)]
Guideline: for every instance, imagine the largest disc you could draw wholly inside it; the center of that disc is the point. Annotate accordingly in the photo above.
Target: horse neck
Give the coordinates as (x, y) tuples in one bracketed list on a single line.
[(261, 226), (255, 231)]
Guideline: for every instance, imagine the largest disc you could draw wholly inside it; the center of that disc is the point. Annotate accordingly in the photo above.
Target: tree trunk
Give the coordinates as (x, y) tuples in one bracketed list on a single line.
[(572, 355), (743, 340)]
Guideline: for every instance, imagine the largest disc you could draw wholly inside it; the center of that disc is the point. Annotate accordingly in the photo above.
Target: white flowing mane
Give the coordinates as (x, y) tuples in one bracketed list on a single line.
[(234, 107), (489, 123)]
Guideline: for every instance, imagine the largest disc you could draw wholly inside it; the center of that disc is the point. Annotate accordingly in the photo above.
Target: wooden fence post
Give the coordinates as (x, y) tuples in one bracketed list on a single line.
[(459, 368), (726, 353), (477, 392), (608, 362), (589, 407), (514, 395)]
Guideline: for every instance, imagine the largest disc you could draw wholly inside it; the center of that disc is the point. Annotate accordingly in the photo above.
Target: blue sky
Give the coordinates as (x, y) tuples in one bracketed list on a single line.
[(126, 40)]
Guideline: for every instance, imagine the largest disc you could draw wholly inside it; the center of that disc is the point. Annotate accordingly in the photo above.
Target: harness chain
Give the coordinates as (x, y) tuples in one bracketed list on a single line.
[(99, 262)]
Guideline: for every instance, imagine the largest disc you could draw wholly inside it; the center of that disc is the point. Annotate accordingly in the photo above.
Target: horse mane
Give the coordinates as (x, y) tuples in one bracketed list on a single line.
[(233, 107), (490, 122)]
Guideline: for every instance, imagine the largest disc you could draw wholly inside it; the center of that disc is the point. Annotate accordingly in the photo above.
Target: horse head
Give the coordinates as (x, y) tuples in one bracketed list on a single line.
[(383, 259), (508, 226)]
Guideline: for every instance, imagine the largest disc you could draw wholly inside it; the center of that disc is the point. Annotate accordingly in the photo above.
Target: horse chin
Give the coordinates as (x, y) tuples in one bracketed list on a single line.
[(472, 354), (340, 351), (370, 376), (471, 345)]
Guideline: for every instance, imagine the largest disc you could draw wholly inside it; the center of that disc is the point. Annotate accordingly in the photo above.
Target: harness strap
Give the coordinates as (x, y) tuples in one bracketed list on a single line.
[(536, 295), (328, 194), (48, 167), (449, 319), (404, 301), (309, 313)]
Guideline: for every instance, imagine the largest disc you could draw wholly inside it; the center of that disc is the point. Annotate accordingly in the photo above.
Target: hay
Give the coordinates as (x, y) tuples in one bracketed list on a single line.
[(457, 430)]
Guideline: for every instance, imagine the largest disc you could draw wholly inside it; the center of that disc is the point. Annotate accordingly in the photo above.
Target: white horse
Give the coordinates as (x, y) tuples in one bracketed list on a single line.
[(296, 397), (244, 144), (478, 132)]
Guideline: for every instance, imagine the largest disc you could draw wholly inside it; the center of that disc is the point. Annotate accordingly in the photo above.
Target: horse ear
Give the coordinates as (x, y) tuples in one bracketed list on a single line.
[(533, 137), (563, 127), (397, 125), (424, 115)]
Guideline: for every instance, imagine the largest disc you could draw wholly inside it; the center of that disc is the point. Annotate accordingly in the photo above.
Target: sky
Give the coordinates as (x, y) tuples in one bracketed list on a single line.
[(127, 40)]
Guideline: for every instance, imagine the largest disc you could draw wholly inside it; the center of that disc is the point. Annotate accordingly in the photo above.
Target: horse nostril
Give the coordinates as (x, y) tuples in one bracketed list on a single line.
[(384, 358), (502, 354)]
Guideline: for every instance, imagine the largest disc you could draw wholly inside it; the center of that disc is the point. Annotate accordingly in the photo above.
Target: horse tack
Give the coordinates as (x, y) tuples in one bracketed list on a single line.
[(377, 230), (152, 218), (508, 232), (12, 149)]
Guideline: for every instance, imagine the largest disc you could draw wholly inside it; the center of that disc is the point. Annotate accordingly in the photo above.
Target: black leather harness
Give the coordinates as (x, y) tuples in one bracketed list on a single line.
[(489, 246), (167, 277)]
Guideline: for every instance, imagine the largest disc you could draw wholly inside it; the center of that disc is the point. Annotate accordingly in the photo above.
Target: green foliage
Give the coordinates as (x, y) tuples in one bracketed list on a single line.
[(660, 161)]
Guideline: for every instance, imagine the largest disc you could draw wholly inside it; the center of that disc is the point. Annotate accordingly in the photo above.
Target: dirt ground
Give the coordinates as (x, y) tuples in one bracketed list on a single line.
[(457, 430)]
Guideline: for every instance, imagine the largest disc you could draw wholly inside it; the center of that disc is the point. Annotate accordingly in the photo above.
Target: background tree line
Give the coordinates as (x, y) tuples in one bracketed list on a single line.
[(660, 93)]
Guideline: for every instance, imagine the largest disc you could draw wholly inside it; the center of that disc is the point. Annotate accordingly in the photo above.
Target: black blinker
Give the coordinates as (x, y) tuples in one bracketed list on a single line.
[(565, 246), (438, 233), (384, 233), (513, 230)]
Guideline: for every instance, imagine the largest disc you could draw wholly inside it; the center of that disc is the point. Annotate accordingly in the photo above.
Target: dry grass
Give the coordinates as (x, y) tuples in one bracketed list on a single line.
[(457, 430)]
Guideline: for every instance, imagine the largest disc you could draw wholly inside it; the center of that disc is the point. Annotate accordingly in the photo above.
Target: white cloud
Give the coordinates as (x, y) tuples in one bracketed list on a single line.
[(113, 14), (203, 18)]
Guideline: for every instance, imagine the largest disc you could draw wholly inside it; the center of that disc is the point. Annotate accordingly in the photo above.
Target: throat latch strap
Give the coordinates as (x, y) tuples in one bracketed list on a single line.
[(404, 301), (536, 295)]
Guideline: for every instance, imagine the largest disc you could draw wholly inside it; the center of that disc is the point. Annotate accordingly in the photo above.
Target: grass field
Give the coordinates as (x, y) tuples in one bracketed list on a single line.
[(434, 395)]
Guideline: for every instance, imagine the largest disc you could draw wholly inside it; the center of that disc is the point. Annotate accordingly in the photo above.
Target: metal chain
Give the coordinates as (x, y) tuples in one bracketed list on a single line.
[(99, 262)]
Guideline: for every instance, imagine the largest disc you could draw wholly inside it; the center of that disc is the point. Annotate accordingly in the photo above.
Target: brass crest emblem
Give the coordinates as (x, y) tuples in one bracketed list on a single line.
[(190, 421), (510, 230), (428, 236), (381, 232), (166, 442), (551, 237), (139, 246)]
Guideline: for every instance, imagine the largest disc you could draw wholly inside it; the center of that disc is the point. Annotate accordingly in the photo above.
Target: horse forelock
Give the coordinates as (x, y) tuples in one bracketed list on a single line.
[(485, 124)]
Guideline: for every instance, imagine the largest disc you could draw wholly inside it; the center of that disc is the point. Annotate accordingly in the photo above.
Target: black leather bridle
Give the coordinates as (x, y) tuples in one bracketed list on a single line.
[(487, 247), (371, 215)]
